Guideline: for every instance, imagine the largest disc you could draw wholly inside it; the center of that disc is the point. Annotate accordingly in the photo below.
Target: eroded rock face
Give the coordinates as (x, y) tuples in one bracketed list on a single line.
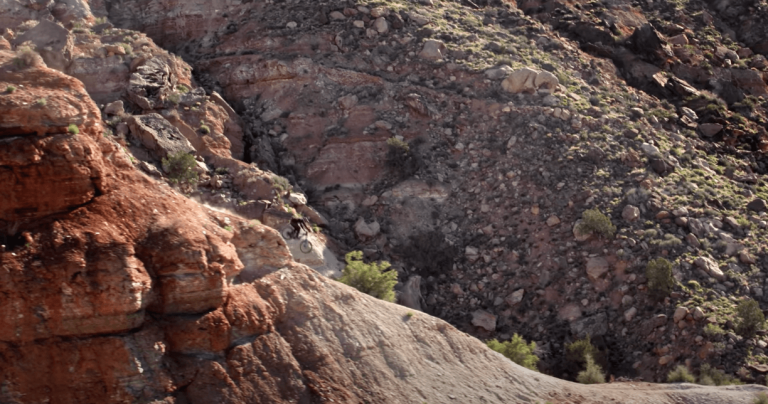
[(44, 168)]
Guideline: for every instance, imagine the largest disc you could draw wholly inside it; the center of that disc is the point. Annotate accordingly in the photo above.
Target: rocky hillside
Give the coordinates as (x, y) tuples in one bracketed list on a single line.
[(461, 141)]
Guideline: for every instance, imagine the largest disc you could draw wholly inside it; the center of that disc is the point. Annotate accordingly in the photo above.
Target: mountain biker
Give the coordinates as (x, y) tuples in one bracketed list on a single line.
[(299, 223)]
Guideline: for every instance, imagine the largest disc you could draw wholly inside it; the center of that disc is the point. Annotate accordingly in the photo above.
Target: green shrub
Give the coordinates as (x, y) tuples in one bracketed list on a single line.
[(374, 279), (128, 49), (182, 88), (659, 275), (760, 398), (10, 89), (174, 98), (750, 317), (180, 168), (713, 330), (281, 184), (517, 351), (579, 350), (710, 376), (399, 144), (26, 57), (592, 373), (593, 221), (205, 129), (73, 129), (680, 374), (41, 102)]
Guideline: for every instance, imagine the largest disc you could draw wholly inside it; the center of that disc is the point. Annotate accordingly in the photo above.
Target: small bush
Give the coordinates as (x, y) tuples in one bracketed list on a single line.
[(281, 184), (659, 275), (182, 88), (399, 144), (592, 373), (713, 330), (760, 398), (73, 129), (517, 351), (750, 316), (180, 168), (128, 49), (680, 374), (710, 376), (401, 159), (205, 129), (579, 350), (593, 221), (10, 89), (374, 279), (174, 98), (42, 102)]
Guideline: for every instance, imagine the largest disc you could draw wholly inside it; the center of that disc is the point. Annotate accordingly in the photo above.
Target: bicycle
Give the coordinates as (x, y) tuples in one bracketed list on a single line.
[(305, 246)]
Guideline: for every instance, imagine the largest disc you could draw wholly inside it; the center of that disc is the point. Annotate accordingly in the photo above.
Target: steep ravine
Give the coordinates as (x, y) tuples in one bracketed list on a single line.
[(128, 291)]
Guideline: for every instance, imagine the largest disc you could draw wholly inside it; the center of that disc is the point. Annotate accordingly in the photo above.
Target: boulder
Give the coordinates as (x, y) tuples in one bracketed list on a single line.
[(710, 129), (515, 297), (484, 319), (520, 81), (366, 230), (433, 50), (150, 83), (498, 73), (680, 314), (630, 213), (114, 108), (596, 267), (158, 135), (758, 205), (710, 267)]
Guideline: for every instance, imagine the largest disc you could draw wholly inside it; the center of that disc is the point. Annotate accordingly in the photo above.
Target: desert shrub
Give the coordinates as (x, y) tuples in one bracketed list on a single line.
[(592, 373), (205, 129), (73, 129), (182, 88), (517, 351), (750, 317), (710, 376), (174, 98), (180, 168), (375, 279), (41, 102), (659, 275), (10, 89), (578, 351), (760, 398), (680, 374), (593, 221), (401, 159), (713, 330), (128, 49), (281, 184), (26, 57)]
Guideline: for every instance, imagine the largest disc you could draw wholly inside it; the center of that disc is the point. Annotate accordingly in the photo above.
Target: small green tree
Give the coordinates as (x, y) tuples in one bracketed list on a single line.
[(180, 168), (594, 221), (592, 373), (680, 374), (750, 316), (374, 279), (578, 351), (517, 351), (659, 275)]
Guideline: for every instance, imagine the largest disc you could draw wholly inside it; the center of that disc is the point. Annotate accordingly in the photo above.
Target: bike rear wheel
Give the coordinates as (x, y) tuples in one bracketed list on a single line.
[(305, 246)]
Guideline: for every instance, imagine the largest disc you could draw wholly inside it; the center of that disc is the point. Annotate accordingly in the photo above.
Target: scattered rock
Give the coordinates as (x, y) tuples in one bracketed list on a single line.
[(367, 230), (498, 72), (515, 298), (630, 213), (594, 326), (758, 205), (698, 314), (710, 129), (114, 108), (680, 314), (596, 267), (710, 267), (527, 80), (553, 221), (630, 314), (433, 50), (484, 319)]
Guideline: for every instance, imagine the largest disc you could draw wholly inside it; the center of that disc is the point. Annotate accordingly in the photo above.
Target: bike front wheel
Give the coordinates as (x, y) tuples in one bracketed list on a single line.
[(305, 246)]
